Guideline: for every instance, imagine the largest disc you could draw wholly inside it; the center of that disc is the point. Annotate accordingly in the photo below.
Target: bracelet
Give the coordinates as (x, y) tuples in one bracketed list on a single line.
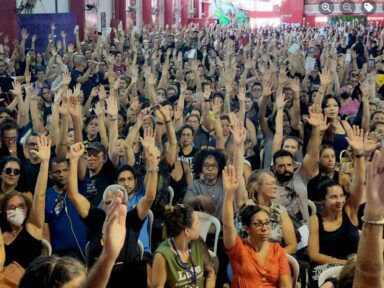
[(112, 119), (159, 123), (167, 122), (207, 100), (149, 170), (371, 222), (359, 155)]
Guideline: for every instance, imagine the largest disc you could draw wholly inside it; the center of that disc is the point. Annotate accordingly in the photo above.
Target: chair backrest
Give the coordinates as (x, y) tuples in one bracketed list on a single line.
[(329, 273), (206, 221), (295, 268), (141, 249), (171, 194), (312, 207), (46, 248), (149, 227)]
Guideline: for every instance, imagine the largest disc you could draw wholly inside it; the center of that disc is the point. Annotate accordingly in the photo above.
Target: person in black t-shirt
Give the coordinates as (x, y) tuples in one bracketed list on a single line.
[(127, 265)]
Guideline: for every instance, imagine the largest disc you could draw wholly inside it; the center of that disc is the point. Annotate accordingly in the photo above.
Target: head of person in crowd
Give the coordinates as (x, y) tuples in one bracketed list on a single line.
[(5, 114), (256, 223), (95, 157), (32, 55), (197, 100), (120, 146), (346, 91), (292, 144), (288, 96), (10, 168), (193, 120), (186, 134), (71, 137), (3, 67), (332, 195), (172, 91), (31, 144), (161, 95), (181, 221), (46, 95), (91, 126), (9, 134), (261, 186), (248, 102), (40, 74), (59, 171), (327, 160), (127, 177), (79, 61), (283, 165), (113, 192), (286, 123), (377, 116), (372, 107), (15, 209), (218, 97), (331, 107), (121, 120), (225, 125), (378, 127), (54, 271), (209, 164)]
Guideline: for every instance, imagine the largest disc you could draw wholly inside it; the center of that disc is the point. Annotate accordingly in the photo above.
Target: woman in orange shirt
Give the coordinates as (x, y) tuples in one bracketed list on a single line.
[(255, 261)]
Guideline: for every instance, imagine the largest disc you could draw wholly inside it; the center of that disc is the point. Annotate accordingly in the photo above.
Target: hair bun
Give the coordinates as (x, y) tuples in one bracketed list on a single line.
[(168, 209)]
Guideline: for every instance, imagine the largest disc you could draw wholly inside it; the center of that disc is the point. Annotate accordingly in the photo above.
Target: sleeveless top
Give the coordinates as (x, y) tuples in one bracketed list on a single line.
[(179, 187), (24, 249), (341, 242), (177, 275)]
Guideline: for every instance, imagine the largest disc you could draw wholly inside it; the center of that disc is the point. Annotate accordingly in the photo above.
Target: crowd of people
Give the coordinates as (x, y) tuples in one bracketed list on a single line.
[(110, 145)]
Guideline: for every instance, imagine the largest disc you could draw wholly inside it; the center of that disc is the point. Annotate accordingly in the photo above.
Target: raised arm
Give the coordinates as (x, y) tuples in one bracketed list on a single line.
[(171, 151), (152, 156), (325, 81), (35, 222), (318, 122), (114, 233), (62, 145), (356, 142), (81, 203), (369, 266), (279, 123), (230, 184), (112, 111)]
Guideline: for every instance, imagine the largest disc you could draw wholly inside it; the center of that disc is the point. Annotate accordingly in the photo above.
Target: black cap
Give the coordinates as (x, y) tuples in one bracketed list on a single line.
[(96, 146)]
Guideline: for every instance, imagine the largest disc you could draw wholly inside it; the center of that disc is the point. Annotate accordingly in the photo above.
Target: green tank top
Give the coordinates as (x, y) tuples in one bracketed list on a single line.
[(177, 275)]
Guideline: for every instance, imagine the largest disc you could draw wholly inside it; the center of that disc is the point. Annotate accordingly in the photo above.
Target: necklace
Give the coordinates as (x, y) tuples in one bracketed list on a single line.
[(185, 266)]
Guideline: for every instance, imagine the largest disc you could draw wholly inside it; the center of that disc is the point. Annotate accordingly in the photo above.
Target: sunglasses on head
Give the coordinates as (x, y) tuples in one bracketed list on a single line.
[(9, 171)]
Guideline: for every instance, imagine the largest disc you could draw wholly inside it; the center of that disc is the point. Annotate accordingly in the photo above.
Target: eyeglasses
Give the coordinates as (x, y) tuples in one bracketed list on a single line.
[(9, 139), (9, 171), (261, 225), (92, 152)]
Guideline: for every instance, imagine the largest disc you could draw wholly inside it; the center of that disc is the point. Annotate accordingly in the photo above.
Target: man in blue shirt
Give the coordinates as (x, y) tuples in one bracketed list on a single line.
[(68, 232)]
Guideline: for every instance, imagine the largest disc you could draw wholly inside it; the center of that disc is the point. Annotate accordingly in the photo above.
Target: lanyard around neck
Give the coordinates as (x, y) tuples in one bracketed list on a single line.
[(185, 266)]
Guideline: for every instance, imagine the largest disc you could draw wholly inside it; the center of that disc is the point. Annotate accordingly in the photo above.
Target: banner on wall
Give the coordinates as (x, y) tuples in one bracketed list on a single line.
[(40, 25)]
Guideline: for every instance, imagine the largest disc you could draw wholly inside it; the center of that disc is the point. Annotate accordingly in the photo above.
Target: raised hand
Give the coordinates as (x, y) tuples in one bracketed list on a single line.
[(164, 110), (317, 118), (16, 87), (207, 92), (114, 228), (74, 106), (239, 133), (24, 34), (71, 48), (63, 109), (325, 77), (241, 94), (43, 151), (63, 34), (267, 88), (280, 102), (230, 181), (102, 93), (112, 107), (66, 76), (149, 138), (76, 150), (371, 142), (355, 139)]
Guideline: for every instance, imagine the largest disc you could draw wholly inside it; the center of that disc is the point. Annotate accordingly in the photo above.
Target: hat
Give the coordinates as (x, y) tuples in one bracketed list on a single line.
[(96, 146)]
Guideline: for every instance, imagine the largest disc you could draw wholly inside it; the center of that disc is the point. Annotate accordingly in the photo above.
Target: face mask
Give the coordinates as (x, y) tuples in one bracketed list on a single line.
[(344, 95), (16, 217), (284, 177)]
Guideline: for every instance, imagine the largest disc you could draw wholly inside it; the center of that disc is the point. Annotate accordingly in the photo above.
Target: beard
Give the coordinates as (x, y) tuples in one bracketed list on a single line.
[(285, 177)]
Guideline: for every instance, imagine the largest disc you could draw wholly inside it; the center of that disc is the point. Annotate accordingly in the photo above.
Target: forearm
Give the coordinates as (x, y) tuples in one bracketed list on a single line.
[(366, 122), (99, 275), (102, 130), (295, 113), (278, 137), (62, 145), (77, 128)]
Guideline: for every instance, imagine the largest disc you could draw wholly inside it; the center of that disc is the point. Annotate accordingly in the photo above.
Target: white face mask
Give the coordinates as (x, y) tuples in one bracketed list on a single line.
[(16, 217)]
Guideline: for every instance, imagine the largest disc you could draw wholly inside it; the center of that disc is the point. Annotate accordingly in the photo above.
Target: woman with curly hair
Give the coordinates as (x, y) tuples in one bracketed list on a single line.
[(182, 260)]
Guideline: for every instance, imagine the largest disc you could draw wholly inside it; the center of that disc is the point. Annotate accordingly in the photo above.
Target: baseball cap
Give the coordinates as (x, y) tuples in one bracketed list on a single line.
[(96, 146)]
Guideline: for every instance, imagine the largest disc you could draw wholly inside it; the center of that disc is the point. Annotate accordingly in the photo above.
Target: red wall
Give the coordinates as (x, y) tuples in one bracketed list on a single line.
[(8, 20), (292, 9)]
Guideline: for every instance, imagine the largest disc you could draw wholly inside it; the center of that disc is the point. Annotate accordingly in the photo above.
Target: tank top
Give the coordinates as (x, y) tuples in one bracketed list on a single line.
[(341, 242), (177, 275), (24, 249), (180, 187)]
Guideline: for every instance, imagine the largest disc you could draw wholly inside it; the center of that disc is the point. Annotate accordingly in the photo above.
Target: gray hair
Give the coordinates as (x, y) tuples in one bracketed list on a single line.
[(114, 189), (77, 59)]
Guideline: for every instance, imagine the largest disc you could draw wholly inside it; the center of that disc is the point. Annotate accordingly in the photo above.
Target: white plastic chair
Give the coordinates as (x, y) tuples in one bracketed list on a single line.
[(149, 227), (46, 248), (141, 249), (295, 268), (171, 194), (328, 273), (206, 221), (312, 207)]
